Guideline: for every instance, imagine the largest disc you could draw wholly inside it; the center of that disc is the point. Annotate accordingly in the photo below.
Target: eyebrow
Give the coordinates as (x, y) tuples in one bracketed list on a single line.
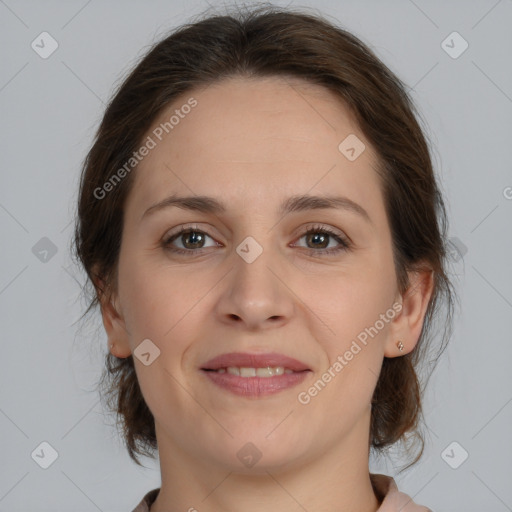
[(299, 203)]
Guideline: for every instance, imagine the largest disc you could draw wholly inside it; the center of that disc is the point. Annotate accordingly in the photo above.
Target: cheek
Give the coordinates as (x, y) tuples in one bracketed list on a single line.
[(360, 319), (346, 303), (157, 306), (355, 310), (155, 294)]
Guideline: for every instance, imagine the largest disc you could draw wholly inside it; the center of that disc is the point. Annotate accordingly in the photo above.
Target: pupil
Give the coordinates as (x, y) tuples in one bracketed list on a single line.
[(194, 235), (316, 236)]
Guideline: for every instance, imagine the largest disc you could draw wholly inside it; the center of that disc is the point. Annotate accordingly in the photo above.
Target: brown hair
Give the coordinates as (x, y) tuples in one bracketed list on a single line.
[(259, 42)]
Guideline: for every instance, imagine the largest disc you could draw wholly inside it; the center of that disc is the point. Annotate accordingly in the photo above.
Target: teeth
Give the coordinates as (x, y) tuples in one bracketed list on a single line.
[(269, 371), (247, 372)]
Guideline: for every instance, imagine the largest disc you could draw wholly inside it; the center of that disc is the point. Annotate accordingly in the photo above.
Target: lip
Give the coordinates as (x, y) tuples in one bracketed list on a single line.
[(255, 387), (246, 360)]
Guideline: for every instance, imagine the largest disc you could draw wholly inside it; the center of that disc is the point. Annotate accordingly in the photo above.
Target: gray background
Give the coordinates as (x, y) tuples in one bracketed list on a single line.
[(50, 109)]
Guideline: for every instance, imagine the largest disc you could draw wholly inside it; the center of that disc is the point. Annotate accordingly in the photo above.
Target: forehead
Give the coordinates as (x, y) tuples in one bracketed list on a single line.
[(253, 139)]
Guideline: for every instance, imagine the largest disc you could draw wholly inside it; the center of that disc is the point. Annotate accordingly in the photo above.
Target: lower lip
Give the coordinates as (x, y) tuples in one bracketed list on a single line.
[(256, 386)]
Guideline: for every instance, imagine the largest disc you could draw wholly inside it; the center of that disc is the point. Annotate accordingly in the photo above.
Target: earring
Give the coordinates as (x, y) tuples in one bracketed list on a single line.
[(400, 346)]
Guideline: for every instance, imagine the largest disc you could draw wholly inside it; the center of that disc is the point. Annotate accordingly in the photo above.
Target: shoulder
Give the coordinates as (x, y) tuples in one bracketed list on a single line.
[(386, 490), (146, 502), (392, 500)]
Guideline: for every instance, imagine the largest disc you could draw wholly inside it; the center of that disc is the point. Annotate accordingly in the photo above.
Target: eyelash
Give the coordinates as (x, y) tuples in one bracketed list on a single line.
[(345, 244)]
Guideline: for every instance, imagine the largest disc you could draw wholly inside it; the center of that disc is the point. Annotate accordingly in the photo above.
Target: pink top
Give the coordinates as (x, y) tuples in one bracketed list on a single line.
[(386, 490)]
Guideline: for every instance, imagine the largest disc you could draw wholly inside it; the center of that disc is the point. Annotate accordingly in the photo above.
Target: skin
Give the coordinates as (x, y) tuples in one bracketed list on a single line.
[(253, 143)]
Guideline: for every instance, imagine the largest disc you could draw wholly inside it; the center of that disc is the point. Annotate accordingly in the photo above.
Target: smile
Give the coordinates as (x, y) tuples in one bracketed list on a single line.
[(269, 371)]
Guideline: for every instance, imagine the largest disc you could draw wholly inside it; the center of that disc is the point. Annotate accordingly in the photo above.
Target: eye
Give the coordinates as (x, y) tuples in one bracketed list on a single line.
[(318, 236), (192, 240)]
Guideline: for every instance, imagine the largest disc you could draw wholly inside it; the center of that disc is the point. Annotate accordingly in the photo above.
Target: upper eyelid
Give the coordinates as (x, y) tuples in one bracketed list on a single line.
[(195, 227), (301, 231)]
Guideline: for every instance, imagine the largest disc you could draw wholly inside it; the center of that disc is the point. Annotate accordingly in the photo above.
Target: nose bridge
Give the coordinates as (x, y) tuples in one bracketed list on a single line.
[(252, 261), (257, 241), (254, 292)]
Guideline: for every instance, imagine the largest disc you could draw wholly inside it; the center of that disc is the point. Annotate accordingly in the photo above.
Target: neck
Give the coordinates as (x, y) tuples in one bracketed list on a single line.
[(338, 479)]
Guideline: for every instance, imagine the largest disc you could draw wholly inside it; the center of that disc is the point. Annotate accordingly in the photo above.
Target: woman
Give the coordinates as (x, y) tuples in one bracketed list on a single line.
[(262, 224)]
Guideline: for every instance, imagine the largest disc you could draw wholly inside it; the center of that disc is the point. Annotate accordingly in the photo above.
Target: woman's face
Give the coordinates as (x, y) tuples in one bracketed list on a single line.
[(247, 279)]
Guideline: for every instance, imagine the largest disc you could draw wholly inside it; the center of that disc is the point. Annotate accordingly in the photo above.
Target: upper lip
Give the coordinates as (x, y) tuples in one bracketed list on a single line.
[(245, 360)]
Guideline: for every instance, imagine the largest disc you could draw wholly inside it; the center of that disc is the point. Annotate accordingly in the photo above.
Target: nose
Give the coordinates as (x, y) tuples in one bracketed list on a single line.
[(256, 294)]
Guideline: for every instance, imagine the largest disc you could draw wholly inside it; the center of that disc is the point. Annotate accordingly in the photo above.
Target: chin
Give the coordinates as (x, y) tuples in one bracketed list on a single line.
[(253, 453)]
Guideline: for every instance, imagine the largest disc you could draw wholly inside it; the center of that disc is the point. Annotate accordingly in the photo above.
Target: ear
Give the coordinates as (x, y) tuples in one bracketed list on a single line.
[(407, 324), (113, 321)]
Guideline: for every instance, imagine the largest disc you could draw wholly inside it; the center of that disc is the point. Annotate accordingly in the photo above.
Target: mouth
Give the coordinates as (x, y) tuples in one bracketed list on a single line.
[(255, 375), (269, 371)]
